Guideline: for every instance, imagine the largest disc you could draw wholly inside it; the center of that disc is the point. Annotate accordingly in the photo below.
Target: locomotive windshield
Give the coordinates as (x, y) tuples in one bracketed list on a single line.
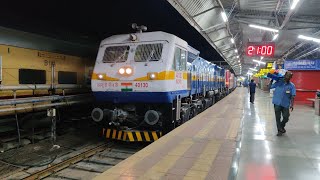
[(148, 52), (116, 54)]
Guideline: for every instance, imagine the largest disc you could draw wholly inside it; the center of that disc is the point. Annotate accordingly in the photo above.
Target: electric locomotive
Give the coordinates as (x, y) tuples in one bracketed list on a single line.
[(146, 84)]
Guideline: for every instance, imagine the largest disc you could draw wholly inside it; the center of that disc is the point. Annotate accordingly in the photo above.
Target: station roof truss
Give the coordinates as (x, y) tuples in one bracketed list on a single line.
[(206, 17)]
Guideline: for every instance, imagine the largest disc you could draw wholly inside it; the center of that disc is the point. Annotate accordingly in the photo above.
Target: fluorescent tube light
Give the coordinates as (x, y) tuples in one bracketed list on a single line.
[(260, 62), (294, 4), (263, 28), (224, 16), (275, 37), (253, 69), (309, 38)]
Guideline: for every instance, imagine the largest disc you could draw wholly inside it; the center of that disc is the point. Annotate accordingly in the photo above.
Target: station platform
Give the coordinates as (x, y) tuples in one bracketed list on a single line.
[(233, 139)]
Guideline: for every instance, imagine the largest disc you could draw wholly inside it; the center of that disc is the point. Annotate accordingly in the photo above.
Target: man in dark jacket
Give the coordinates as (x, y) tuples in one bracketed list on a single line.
[(252, 90)]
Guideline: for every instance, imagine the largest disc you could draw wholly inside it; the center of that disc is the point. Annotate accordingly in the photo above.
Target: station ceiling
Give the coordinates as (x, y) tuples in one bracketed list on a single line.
[(304, 19), (90, 22), (198, 22)]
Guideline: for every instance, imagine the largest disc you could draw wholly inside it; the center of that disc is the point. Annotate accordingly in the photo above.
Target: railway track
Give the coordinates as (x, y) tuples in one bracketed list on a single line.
[(84, 165), (90, 163), (68, 162), (73, 162)]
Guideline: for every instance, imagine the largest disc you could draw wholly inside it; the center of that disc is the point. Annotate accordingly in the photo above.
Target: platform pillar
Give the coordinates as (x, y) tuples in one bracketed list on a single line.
[(317, 106)]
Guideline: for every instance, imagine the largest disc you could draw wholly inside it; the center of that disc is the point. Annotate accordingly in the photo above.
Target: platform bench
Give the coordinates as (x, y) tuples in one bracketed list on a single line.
[(312, 100)]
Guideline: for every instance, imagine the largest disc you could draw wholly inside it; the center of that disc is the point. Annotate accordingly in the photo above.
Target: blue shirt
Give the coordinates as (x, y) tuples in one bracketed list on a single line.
[(283, 93), (252, 87)]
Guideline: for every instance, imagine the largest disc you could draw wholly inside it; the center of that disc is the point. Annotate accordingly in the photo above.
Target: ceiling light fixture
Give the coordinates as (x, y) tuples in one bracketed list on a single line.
[(260, 62), (309, 38), (263, 28), (224, 16), (253, 69), (275, 37), (232, 40), (294, 4), (236, 51)]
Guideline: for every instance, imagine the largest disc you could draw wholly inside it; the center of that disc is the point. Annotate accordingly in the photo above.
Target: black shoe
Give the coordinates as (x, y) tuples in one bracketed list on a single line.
[(282, 130), (279, 133)]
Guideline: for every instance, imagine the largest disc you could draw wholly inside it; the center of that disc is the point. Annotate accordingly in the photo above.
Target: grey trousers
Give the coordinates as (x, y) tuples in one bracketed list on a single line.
[(285, 116), (252, 97)]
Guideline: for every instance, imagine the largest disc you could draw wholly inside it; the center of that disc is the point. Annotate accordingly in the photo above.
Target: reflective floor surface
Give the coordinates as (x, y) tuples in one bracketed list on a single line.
[(265, 156)]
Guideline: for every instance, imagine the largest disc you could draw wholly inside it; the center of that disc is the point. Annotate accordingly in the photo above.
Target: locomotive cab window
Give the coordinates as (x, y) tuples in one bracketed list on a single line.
[(114, 54), (32, 76), (180, 59), (148, 52)]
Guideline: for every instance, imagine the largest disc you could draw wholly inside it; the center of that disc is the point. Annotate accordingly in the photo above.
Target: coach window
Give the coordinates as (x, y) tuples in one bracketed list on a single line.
[(180, 58), (65, 77), (32, 76)]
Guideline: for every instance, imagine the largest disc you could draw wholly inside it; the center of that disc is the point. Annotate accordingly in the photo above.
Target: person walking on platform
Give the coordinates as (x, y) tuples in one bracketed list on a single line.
[(283, 98), (252, 90)]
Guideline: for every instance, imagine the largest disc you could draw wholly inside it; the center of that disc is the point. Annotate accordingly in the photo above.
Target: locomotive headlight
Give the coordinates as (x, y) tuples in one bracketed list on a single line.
[(152, 76), (100, 76), (121, 71), (129, 71)]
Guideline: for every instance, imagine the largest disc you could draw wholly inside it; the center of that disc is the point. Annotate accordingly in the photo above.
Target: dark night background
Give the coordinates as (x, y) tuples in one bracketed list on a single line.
[(91, 21)]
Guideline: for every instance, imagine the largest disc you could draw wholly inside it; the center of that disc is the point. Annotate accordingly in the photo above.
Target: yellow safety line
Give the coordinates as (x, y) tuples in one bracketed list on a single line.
[(233, 129), (202, 165), (162, 167), (205, 131)]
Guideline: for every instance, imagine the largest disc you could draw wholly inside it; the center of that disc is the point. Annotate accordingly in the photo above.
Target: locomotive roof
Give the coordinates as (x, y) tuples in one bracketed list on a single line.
[(145, 37)]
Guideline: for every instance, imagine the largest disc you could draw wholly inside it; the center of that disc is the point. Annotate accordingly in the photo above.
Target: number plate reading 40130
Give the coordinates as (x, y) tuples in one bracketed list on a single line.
[(141, 85), (260, 49)]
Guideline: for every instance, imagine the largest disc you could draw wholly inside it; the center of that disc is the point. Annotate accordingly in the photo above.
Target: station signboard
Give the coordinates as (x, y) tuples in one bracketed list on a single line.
[(269, 65), (302, 64)]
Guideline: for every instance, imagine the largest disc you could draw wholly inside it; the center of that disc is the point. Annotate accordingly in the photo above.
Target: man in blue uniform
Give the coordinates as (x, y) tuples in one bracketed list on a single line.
[(283, 98), (252, 90)]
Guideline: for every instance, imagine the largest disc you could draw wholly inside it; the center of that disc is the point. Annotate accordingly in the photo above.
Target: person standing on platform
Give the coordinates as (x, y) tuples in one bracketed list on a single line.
[(283, 98), (252, 90)]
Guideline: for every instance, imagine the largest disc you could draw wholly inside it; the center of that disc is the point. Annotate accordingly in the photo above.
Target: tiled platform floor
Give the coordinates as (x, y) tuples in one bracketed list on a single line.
[(263, 155), (210, 147), (202, 148)]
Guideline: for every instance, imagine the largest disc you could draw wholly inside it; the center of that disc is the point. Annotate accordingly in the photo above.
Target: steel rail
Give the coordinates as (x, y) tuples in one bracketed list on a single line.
[(65, 164)]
